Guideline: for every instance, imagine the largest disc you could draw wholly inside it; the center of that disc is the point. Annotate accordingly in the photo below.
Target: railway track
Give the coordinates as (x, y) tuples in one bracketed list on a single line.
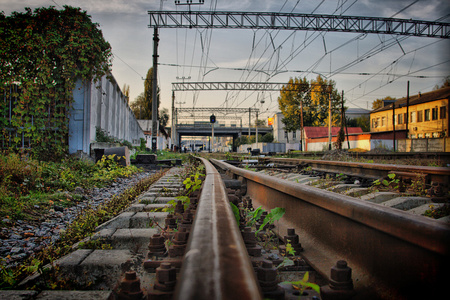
[(352, 249), (413, 189), (391, 252)]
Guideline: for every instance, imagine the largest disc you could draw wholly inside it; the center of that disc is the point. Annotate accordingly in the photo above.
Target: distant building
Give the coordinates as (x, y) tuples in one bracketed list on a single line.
[(316, 138), (163, 140), (426, 116), (355, 113)]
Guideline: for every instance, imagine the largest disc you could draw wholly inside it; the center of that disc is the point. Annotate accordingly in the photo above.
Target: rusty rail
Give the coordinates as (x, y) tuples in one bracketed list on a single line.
[(216, 264), (436, 174), (394, 255)]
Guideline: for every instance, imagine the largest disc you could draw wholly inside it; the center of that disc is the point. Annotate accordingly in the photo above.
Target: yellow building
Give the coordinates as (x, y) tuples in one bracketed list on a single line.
[(428, 116)]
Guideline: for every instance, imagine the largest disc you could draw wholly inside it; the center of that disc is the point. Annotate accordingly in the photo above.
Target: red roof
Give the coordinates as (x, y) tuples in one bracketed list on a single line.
[(316, 132)]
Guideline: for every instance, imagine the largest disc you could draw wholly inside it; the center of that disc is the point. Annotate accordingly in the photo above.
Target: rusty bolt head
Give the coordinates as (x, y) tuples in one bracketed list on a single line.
[(166, 273), (291, 237), (156, 244), (341, 276), (181, 237), (266, 272), (130, 284)]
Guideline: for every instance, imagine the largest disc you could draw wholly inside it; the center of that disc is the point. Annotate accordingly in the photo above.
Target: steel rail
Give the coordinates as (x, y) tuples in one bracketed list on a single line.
[(394, 255), (437, 174), (216, 264)]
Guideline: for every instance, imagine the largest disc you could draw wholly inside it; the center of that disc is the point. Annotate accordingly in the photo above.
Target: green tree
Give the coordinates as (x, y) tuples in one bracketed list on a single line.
[(313, 99), (261, 123), (163, 117), (363, 122), (43, 53), (126, 92), (379, 102), (267, 138), (292, 96), (142, 104), (445, 83), (148, 94), (137, 106), (322, 90), (242, 140)]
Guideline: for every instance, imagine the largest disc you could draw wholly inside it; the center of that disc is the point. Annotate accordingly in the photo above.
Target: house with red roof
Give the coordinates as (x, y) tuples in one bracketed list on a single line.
[(316, 138)]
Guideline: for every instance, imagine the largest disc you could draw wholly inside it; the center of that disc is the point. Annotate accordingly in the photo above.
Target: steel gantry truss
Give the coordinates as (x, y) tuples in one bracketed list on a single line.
[(236, 86), (227, 86), (298, 21)]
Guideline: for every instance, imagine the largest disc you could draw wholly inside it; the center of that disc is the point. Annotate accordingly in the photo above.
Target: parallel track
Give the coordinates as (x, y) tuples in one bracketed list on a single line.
[(392, 252)]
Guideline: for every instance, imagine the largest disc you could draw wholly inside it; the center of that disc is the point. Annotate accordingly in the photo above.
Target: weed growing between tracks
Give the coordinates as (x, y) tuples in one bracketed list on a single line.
[(83, 226)]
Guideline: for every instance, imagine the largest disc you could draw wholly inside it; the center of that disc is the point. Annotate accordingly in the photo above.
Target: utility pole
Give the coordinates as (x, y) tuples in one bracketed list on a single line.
[(345, 120), (249, 122), (329, 121), (301, 124), (173, 120), (393, 125), (155, 90), (407, 110), (256, 129)]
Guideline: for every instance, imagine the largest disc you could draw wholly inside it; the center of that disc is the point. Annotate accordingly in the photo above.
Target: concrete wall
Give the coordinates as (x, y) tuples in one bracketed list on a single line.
[(263, 147), (103, 105), (424, 145)]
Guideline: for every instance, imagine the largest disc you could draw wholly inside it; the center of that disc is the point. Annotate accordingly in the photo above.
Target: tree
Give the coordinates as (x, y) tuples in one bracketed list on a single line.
[(293, 97), (379, 102), (322, 90), (142, 105), (311, 98), (126, 92), (163, 117), (267, 138), (261, 123), (445, 83), (148, 94), (242, 140), (137, 106)]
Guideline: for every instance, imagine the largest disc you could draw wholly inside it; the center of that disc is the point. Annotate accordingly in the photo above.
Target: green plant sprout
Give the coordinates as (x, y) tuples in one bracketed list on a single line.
[(303, 284), (388, 183)]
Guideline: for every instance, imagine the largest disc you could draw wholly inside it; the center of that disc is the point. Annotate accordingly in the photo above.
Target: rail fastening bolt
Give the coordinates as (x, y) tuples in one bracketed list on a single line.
[(166, 277), (156, 245), (341, 284), (130, 287)]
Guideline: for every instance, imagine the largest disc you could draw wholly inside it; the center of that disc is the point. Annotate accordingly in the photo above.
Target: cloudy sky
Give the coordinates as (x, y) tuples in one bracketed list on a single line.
[(388, 62)]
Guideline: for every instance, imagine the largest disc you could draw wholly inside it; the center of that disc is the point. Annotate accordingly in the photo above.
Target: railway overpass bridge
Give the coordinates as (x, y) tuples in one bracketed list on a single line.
[(206, 130)]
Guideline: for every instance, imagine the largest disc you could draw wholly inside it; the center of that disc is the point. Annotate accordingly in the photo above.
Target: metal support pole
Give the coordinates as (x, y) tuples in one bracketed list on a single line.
[(301, 124), (212, 138), (256, 129), (249, 122), (329, 121), (393, 125), (345, 121), (173, 119), (407, 111), (155, 90)]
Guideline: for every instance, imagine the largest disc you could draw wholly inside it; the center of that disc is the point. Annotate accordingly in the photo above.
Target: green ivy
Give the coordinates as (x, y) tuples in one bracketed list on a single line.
[(42, 54)]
